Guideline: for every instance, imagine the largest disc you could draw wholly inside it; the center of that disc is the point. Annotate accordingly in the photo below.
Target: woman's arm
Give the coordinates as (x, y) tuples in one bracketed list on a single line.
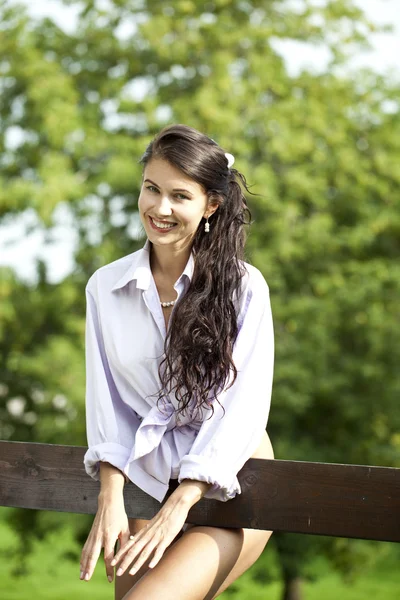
[(233, 433), (110, 522), (154, 539), (111, 424), (111, 477), (189, 492), (112, 481)]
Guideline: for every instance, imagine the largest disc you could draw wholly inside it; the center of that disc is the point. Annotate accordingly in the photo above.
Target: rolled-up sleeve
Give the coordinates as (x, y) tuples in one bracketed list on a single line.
[(110, 424), (226, 441)]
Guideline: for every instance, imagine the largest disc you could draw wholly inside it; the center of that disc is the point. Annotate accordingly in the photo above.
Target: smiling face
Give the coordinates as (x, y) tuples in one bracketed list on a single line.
[(171, 205)]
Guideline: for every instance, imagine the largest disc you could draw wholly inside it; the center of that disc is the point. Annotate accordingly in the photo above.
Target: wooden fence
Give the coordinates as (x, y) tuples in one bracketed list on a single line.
[(315, 498)]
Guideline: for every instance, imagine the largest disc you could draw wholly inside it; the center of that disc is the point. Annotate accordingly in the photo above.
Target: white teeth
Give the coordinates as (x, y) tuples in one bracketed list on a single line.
[(162, 225)]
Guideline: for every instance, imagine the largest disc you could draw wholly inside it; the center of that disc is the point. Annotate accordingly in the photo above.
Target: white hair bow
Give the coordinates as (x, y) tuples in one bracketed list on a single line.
[(230, 158)]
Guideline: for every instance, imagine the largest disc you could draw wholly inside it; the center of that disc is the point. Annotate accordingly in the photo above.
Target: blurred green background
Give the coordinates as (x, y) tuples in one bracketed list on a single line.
[(321, 149)]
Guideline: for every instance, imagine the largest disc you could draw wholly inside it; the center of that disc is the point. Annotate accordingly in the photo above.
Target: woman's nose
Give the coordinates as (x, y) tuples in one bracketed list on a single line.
[(164, 206)]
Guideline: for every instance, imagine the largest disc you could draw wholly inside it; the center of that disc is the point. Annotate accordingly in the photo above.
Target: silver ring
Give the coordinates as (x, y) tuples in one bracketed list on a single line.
[(131, 537)]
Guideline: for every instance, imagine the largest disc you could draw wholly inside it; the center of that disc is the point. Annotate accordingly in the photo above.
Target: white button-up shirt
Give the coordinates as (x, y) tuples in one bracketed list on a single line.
[(125, 334)]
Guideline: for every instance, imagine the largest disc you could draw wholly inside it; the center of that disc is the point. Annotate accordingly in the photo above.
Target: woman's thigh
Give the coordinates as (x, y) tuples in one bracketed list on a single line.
[(124, 582), (202, 560), (201, 564)]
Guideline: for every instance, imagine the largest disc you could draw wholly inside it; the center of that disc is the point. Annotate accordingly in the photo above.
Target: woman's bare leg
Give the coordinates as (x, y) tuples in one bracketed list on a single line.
[(124, 582), (201, 564)]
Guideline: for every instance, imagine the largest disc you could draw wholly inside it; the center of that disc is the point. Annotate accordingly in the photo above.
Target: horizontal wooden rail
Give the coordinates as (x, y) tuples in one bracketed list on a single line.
[(279, 495)]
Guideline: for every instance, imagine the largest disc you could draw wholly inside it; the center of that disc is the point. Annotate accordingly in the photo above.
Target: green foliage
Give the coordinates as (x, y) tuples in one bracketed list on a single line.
[(55, 559), (321, 151)]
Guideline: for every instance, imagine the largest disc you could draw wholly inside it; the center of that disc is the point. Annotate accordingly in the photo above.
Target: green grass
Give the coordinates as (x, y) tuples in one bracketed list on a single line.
[(54, 576), (329, 587)]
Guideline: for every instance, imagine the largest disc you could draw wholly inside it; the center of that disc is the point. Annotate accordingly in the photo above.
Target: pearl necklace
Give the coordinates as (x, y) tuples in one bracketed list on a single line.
[(165, 304)]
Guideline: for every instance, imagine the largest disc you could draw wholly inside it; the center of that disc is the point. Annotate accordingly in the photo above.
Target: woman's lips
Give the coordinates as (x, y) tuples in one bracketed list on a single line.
[(159, 229)]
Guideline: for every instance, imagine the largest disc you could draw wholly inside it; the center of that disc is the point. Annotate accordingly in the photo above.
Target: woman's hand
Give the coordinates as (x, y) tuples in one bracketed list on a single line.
[(154, 539), (110, 524)]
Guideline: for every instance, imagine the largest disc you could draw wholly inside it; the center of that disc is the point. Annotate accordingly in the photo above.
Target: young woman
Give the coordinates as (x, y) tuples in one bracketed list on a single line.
[(179, 358)]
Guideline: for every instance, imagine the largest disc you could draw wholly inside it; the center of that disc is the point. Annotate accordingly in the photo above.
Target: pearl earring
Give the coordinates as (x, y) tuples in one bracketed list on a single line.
[(207, 226)]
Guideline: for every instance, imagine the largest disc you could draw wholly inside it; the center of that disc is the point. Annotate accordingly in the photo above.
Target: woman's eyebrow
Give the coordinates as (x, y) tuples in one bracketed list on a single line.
[(174, 190)]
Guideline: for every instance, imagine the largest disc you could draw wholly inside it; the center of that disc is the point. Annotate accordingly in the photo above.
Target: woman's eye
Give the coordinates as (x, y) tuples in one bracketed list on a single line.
[(152, 188)]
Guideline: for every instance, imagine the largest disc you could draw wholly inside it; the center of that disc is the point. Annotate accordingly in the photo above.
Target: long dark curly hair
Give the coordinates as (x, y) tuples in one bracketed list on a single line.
[(203, 329)]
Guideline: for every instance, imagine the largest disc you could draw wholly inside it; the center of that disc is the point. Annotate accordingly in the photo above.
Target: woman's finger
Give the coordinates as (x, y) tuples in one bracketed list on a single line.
[(158, 554), (130, 556), (143, 557), (108, 557), (123, 550), (89, 559), (84, 555), (146, 553), (125, 536)]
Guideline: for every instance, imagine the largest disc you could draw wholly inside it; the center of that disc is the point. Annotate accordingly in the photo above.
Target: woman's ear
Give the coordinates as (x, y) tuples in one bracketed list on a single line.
[(210, 211), (214, 201)]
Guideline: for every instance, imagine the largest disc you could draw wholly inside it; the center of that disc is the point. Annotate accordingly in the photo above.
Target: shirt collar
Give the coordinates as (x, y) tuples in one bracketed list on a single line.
[(140, 270)]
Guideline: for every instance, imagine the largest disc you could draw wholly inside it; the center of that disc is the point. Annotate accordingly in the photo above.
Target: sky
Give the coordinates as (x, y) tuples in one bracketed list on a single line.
[(20, 249)]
